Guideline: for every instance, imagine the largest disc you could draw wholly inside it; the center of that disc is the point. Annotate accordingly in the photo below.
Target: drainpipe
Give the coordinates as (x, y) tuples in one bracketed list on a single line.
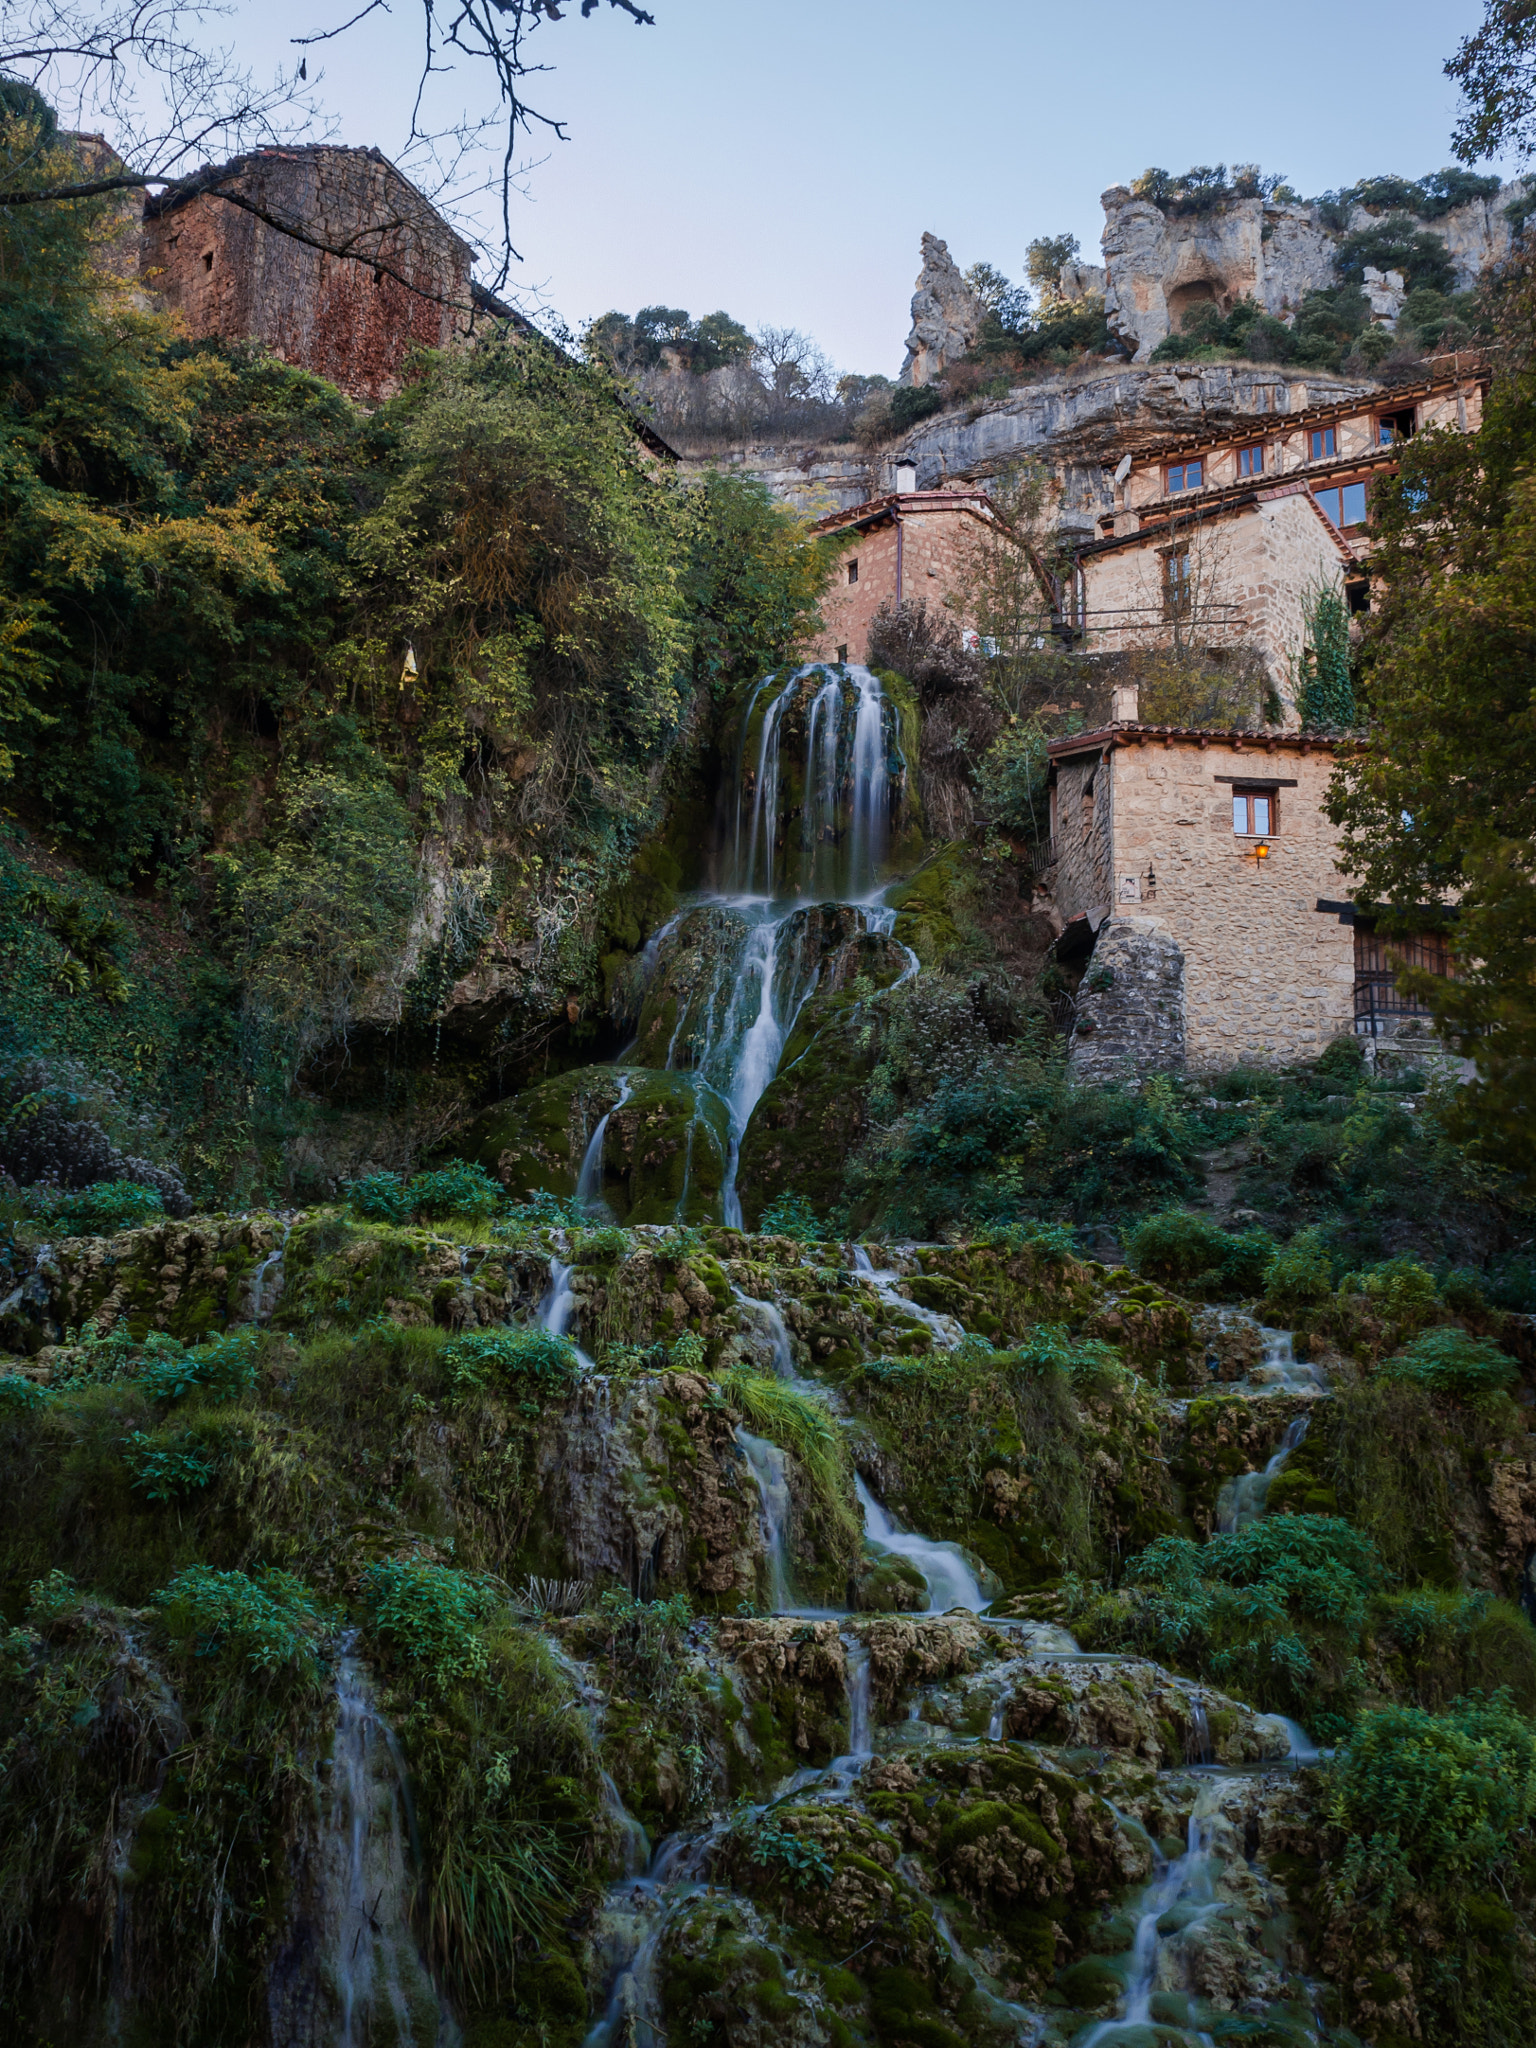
[(898, 560)]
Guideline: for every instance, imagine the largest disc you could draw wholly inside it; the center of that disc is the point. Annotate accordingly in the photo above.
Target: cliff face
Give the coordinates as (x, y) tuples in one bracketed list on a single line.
[(1160, 266), (1080, 424)]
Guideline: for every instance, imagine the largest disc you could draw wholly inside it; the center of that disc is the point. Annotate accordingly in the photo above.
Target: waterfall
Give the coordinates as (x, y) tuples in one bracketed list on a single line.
[(951, 1582), (813, 794), (1242, 1499), (557, 1311), (350, 1973), (1280, 1371), (263, 1293), (856, 1664), (947, 1333), (589, 1182), (766, 1464), (1188, 1883)]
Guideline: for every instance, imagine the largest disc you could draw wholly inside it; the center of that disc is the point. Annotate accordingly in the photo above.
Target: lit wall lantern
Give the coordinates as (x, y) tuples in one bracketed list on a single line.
[(1261, 851)]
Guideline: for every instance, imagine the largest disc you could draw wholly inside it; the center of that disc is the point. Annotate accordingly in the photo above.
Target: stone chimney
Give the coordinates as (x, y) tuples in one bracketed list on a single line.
[(1124, 705)]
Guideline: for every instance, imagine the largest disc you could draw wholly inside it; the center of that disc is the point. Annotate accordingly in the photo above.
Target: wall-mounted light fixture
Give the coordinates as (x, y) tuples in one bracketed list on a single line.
[(1261, 851)]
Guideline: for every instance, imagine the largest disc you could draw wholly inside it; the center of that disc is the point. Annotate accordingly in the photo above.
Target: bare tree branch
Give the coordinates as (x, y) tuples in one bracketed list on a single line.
[(155, 74)]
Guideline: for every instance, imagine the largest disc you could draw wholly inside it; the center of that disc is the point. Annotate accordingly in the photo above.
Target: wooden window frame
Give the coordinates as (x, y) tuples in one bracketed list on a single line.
[(1175, 586), (853, 570), (1341, 524), (1250, 449), (1316, 434), (1247, 794), (1171, 489), (1384, 422)]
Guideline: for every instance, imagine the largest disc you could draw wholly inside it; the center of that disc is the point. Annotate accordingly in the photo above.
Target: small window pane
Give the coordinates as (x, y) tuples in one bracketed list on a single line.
[(1354, 504), (1329, 500), (1176, 477), (1261, 814), (1194, 475), (1239, 814)]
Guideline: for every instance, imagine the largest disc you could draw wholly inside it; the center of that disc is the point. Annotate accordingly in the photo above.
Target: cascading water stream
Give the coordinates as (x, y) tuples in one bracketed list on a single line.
[(765, 1461), (951, 1582), (947, 1333), (1182, 1891), (589, 1182), (352, 1973), (265, 1287), (1242, 1500)]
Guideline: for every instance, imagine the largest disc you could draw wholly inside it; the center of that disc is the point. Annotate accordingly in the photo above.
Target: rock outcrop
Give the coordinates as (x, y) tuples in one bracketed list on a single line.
[(1160, 267), (946, 316)]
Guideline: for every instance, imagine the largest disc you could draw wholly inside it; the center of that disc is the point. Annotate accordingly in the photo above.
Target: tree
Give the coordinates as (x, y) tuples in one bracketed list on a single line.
[(156, 73), (1439, 812), (1496, 70)]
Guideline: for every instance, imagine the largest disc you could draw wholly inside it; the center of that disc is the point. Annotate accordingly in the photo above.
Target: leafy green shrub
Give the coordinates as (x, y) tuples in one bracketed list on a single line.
[(380, 1198), (462, 1188), (1301, 1272), (1448, 1360), (796, 1860), (604, 1247), (543, 1211), (96, 1211), (432, 1616), (791, 1215), (1401, 1290), (1051, 1347), (51, 1598), (268, 1621), (1275, 1608), (688, 1354), (1344, 1061), (224, 1369), (647, 1638), (1192, 1252), (17, 1392), (1448, 1794), (168, 1468), (534, 1359)]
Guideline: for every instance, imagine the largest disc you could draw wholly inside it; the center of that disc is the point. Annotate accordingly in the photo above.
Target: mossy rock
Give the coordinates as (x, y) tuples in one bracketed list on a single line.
[(664, 1150)]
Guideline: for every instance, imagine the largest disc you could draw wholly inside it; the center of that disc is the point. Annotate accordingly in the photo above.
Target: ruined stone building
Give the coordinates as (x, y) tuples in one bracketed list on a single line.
[(354, 322)]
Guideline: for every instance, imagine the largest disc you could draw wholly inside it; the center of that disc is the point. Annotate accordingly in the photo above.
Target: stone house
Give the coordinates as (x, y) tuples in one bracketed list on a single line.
[(905, 546), (1216, 543), (230, 274), (1197, 877)]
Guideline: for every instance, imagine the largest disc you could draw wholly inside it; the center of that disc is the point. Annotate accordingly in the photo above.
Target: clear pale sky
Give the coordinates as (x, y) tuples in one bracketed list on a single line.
[(781, 158)]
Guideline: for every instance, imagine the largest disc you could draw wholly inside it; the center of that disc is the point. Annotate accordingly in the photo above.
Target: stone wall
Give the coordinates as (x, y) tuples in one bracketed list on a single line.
[(1131, 1005), (1268, 976), (1253, 568), (1081, 809), (226, 273)]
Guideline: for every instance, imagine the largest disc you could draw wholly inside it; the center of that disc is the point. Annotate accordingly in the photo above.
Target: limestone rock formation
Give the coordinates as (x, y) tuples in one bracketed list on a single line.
[(946, 316), (1160, 267)]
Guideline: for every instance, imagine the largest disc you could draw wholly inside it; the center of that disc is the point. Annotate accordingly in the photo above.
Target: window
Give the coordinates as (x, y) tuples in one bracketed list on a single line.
[(1176, 580), (1186, 476), (853, 572), (207, 259), (1253, 813), (1344, 506), (1323, 442), (842, 652), (1250, 461), (1393, 427), (1379, 959), (1358, 595)]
